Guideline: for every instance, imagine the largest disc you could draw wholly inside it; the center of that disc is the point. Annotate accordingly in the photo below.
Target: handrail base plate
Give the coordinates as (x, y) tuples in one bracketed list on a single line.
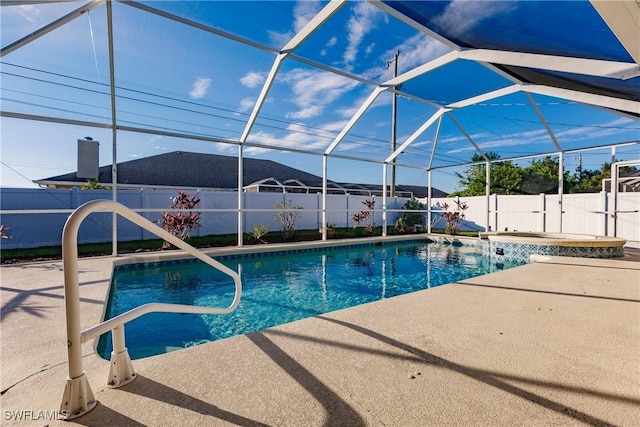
[(78, 398), (121, 370)]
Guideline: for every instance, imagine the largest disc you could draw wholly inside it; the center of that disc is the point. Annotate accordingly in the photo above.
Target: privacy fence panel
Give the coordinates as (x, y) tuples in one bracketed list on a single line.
[(521, 213), (32, 230), (225, 219), (475, 214), (629, 218), (337, 210), (256, 204), (582, 213), (309, 216)]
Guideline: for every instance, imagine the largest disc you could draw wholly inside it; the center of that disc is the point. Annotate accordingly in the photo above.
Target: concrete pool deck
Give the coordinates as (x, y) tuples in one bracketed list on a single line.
[(555, 342)]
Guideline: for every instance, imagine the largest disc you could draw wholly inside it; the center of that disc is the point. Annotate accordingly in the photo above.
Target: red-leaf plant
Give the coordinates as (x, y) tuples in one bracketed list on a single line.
[(180, 224), (453, 218), (365, 216)]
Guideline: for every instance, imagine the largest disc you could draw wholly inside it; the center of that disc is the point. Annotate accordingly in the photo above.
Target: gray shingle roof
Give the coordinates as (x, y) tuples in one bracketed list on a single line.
[(185, 169), (180, 168)]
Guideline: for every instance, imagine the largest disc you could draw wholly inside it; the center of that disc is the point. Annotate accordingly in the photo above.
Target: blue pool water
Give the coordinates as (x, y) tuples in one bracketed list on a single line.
[(278, 289)]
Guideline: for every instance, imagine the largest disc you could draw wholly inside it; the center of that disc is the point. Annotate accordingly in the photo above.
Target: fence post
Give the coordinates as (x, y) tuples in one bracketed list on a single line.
[(74, 197), (543, 212), (604, 203), (318, 211), (143, 205), (199, 198), (347, 211), (494, 196)]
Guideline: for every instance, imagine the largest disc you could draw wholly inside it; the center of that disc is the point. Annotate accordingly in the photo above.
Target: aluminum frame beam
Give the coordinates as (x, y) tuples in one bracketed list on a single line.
[(50, 27), (585, 98), (416, 134), (391, 11), (534, 104), (485, 97), (320, 18), (434, 64), (469, 137), (354, 119), (591, 67), (623, 18)]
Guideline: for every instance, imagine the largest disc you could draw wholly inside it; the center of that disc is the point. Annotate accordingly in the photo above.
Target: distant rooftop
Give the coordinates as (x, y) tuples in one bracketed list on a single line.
[(180, 169)]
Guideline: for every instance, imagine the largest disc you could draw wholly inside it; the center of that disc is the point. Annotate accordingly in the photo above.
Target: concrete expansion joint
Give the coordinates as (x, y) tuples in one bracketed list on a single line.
[(43, 369)]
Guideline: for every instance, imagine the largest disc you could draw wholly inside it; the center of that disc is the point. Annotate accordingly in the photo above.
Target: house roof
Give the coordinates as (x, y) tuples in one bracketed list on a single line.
[(181, 168), (185, 169)]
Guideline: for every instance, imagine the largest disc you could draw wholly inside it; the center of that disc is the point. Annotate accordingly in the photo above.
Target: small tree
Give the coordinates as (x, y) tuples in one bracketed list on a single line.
[(180, 224), (286, 218), (454, 217), (365, 216), (93, 184), (411, 217)]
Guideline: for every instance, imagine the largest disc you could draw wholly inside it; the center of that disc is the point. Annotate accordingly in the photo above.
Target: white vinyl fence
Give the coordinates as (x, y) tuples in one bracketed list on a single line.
[(588, 213), (36, 217)]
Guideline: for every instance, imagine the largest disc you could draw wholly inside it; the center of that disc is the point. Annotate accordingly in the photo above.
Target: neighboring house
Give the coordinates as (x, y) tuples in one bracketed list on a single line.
[(184, 170)]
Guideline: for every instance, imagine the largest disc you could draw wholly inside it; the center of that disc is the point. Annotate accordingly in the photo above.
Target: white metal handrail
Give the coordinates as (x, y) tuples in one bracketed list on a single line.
[(78, 398)]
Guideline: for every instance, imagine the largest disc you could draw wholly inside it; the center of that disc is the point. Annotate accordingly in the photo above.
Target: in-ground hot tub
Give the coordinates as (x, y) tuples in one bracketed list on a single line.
[(517, 245)]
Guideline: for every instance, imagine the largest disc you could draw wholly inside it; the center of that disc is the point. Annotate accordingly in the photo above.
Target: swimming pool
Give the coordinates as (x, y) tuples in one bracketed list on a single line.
[(279, 288)]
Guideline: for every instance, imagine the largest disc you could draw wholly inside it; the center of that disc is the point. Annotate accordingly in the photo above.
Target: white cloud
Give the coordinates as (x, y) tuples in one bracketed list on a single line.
[(247, 104), (298, 136), (361, 22), (306, 113), (28, 12), (369, 49), (621, 121), (414, 51), (581, 133), (331, 43), (461, 15), (302, 14), (577, 133), (314, 90), (227, 148), (200, 87), (419, 49), (510, 140), (280, 39), (453, 139), (252, 79), (490, 142)]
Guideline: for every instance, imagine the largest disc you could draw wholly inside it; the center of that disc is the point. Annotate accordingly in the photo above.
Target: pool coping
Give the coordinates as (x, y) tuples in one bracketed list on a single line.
[(147, 257), (553, 239)]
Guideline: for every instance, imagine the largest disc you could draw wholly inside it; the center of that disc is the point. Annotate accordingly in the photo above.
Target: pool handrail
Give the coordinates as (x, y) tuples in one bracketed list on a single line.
[(78, 399)]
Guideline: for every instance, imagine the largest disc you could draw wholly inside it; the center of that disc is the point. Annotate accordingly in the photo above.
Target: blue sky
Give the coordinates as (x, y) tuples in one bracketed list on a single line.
[(175, 78)]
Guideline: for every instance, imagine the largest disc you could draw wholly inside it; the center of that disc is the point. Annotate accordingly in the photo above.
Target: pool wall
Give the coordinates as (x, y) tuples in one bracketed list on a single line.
[(521, 245)]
